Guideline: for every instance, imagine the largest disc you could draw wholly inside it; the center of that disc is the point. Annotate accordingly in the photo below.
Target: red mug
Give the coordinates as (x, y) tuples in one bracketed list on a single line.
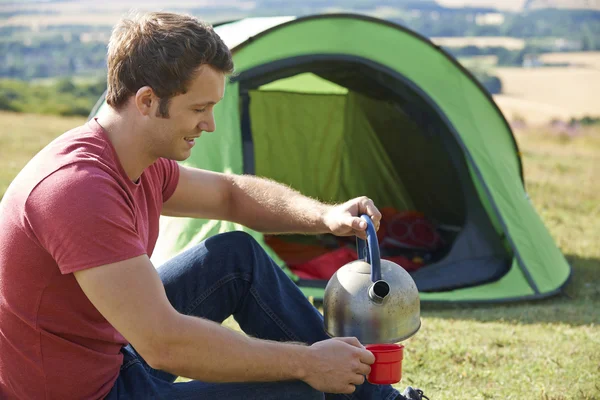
[(387, 368)]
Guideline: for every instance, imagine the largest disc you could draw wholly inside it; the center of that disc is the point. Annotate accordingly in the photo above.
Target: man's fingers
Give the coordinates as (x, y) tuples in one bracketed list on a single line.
[(349, 389), (367, 357), (352, 341), (357, 224), (363, 369), (368, 207), (358, 379)]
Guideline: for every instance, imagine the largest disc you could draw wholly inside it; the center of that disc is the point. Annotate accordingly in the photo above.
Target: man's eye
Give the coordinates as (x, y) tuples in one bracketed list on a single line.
[(201, 110)]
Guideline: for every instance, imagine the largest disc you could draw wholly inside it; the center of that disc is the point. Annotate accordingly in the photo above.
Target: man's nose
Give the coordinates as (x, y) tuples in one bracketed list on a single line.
[(208, 126)]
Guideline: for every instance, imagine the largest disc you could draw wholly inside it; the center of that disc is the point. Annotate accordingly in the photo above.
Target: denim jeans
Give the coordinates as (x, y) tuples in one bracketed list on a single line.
[(230, 274)]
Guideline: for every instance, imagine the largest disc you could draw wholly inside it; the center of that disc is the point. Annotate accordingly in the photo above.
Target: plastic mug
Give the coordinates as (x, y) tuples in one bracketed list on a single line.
[(387, 368)]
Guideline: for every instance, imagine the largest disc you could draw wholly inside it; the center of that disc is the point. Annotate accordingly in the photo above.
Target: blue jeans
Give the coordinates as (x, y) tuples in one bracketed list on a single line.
[(230, 274)]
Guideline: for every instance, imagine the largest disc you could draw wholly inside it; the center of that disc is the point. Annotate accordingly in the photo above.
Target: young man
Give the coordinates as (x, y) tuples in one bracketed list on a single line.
[(83, 312)]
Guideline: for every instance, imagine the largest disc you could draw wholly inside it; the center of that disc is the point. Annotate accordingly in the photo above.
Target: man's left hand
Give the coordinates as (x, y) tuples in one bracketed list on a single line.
[(344, 219)]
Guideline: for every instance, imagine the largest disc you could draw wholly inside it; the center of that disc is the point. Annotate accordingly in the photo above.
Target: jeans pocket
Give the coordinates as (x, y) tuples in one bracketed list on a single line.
[(129, 358)]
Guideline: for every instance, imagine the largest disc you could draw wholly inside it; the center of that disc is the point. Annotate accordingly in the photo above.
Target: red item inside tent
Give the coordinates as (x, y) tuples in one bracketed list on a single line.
[(324, 266), (398, 230), (407, 229)]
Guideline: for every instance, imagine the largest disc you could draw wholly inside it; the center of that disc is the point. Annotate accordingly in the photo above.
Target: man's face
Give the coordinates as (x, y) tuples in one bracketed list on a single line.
[(190, 114)]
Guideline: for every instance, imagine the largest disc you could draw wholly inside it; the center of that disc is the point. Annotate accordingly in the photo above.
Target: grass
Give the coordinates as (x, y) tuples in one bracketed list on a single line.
[(22, 136), (547, 350)]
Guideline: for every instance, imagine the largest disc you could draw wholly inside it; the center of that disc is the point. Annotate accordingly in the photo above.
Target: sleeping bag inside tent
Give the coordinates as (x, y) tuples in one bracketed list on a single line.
[(338, 106)]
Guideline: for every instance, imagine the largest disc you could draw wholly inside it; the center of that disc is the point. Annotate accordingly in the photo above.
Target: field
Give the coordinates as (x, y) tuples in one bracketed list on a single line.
[(518, 5), (107, 13), (547, 350), (589, 59), (541, 94), (506, 5), (533, 94), (508, 43)]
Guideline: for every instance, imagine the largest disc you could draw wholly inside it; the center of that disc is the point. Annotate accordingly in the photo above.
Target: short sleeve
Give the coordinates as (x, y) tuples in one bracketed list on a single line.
[(169, 173), (83, 218)]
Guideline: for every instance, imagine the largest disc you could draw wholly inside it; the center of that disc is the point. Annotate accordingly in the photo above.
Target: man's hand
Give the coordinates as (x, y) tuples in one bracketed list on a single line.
[(344, 219), (338, 365)]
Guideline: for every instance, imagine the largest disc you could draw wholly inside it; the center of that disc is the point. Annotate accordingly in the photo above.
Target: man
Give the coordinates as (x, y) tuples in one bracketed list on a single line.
[(83, 312)]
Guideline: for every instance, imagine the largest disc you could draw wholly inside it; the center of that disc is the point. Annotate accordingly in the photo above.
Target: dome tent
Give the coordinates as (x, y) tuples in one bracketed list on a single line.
[(342, 105)]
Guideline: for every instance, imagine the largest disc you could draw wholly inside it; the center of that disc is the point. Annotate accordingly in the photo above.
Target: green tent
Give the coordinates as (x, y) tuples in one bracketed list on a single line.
[(342, 105)]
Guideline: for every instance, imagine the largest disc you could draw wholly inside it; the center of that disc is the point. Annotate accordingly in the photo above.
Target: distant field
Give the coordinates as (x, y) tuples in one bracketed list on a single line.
[(541, 94), (119, 5), (507, 5), (106, 19), (484, 63), (573, 4), (509, 43), (589, 59), (517, 5), (107, 12)]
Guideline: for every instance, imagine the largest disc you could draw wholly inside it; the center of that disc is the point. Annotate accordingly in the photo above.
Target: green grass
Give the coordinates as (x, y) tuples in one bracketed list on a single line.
[(547, 350), (22, 136)]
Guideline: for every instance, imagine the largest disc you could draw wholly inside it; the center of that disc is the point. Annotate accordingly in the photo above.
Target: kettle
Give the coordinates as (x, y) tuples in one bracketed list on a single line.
[(374, 300)]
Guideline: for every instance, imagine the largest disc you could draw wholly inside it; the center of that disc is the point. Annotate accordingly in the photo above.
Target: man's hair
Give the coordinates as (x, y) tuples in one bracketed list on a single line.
[(163, 51)]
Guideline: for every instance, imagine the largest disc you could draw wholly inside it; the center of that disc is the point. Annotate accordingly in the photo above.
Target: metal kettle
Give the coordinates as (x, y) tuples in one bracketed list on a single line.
[(375, 300)]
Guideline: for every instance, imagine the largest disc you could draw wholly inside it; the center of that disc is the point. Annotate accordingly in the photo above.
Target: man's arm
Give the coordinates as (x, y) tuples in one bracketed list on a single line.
[(130, 295), (200, 194), (263, 205)]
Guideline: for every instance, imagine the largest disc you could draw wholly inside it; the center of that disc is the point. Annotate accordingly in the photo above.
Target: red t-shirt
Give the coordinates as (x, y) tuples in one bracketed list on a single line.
[(72, 207)]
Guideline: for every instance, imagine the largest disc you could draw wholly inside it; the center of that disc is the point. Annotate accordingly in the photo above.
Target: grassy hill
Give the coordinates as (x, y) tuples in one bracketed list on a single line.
[(546, 350)]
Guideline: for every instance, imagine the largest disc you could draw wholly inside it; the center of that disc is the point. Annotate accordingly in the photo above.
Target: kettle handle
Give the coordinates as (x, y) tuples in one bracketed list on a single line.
[(372, 245)]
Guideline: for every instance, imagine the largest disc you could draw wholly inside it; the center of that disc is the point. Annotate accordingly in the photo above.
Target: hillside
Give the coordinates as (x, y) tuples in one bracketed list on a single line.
[(504, 5), (571, 4), (521, 5)]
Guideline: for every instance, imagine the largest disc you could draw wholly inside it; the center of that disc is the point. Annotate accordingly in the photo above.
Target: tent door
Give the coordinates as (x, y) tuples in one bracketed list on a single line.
[(478, 253)]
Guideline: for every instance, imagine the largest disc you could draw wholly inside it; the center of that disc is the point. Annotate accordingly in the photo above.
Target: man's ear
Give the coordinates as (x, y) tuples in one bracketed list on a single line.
[(146, 100)]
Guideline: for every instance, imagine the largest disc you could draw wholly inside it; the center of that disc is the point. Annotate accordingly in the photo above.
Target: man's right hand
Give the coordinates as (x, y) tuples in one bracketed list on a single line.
[(338, 364)]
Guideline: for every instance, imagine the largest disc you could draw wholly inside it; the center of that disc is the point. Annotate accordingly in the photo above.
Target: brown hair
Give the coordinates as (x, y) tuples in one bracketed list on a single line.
[(163, 51)]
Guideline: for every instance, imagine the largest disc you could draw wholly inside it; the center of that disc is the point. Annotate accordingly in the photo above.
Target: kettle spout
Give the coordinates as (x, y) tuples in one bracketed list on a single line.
[(378, 291)]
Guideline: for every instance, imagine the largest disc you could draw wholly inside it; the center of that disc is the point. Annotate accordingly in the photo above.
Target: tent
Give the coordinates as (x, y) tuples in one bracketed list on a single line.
[(343, 105)]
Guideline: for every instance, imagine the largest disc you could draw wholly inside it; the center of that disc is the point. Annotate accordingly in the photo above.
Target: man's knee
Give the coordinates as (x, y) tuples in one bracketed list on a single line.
[(234, 240), (235, 244)]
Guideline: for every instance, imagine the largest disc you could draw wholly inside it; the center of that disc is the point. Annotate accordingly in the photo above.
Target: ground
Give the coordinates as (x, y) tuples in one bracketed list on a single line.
[(547, 350)]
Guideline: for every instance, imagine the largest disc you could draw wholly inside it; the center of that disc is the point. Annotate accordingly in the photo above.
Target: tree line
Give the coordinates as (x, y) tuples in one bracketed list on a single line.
[(59, 51), (60, 97)]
